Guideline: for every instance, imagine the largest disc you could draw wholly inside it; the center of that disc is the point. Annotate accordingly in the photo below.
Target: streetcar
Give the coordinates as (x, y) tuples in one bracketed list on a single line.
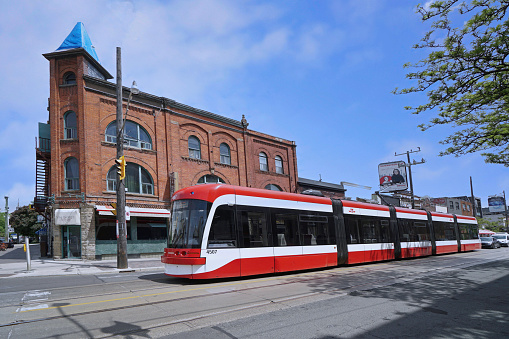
[(220, 231)]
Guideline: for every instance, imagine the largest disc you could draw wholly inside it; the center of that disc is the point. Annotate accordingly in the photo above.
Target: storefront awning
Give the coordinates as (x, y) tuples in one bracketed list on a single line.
[(136, 212)]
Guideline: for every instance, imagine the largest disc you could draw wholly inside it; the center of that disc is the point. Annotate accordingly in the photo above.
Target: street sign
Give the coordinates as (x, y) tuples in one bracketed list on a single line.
[(10, 229), (114, 210)]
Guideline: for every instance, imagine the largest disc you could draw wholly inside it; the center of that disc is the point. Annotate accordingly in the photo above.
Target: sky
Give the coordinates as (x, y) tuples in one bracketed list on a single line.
[(320, 73)]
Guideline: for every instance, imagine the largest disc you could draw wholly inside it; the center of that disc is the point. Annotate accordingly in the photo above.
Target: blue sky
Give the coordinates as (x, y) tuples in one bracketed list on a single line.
[(319, 73)]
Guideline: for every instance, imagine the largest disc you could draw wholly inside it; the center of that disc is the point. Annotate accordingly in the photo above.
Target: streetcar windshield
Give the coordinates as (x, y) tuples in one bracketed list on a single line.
[(188, 219)]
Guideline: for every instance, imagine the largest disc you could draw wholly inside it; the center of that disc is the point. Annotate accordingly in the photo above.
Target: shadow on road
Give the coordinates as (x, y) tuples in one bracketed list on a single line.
[(452, 304)]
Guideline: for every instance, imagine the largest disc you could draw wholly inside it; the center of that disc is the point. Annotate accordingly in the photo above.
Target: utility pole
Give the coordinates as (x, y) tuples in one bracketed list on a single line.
[(473, 198), (409, 165), (6, 219), (121, 222), (505, 215)]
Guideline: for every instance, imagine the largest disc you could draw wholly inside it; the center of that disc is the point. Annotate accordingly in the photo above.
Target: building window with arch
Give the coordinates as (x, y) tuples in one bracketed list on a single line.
[(193, 144), (71, 174), (224, 151), (210, 179), (279, 165), (70, 125), (69, 78), (137, 179), (264, 166), (273, 187), (134, 135)]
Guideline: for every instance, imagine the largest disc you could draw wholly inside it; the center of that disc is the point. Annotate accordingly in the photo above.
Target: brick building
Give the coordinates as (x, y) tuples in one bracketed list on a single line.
[(168, 145)]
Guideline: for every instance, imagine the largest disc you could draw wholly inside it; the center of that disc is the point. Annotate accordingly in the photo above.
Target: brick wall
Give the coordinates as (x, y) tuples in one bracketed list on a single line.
[(169, 124)]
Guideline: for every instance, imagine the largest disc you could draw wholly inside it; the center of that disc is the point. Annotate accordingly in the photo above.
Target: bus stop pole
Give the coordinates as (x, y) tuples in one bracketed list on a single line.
[(27, 245)]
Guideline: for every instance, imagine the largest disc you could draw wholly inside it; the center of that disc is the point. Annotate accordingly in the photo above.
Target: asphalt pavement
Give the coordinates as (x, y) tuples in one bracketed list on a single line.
[(13, 263)]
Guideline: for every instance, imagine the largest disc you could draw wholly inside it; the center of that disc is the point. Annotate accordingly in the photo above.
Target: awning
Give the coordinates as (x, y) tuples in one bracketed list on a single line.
[(136, 212)]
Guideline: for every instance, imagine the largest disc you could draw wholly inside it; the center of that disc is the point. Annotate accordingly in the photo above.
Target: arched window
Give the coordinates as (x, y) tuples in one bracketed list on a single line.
[(70, 125), (263, 162), (137, 179), (69, 78), (134, 135), (111, 179), (224, 151), (210, 179), (279, 165), (72, 174), (193, 144), (273, 187)]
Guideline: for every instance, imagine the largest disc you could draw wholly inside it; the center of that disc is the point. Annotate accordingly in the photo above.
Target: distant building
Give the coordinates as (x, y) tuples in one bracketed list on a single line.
[(455, 205), (168, 146), (330, 190)]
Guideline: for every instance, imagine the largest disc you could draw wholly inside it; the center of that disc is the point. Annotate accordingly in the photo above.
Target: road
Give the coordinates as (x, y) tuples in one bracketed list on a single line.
[(460, 295)]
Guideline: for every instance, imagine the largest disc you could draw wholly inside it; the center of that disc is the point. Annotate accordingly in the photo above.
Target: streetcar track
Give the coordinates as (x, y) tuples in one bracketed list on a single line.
[(336, 271), (302, 278)]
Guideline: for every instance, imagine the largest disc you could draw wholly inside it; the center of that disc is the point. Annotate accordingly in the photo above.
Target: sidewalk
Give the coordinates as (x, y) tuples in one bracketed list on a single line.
[(13, 268)]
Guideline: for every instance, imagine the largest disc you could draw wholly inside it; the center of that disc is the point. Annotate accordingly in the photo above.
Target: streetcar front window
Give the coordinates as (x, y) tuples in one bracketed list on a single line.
[(188, 218)]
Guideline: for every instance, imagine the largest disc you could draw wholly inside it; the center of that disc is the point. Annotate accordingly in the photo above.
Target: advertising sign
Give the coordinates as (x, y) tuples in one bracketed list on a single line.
[(496, 204), (392, 176)]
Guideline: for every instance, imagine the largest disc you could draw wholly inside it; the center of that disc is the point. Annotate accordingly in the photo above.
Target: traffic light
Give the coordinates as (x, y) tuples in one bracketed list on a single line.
[(120, 167)]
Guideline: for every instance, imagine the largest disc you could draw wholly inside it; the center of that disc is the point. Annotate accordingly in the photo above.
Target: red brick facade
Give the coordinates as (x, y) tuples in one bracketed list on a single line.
[(169, 124)]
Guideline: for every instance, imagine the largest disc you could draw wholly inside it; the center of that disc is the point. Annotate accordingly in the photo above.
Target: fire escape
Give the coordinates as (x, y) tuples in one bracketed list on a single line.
[(42, 174)]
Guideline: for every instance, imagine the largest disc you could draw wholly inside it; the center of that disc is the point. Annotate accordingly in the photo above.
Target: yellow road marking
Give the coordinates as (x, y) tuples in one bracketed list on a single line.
[(149, 295), (195, 289)]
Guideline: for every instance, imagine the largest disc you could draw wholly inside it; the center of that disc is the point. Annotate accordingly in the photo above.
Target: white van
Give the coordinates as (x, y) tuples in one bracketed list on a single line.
[(503, 238)]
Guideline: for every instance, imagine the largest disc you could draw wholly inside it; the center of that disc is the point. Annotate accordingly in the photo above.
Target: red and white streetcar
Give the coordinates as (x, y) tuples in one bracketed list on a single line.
[(220, 231)]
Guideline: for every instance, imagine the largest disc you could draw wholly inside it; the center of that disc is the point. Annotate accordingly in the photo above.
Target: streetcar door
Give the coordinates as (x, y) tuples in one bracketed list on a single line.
[(287, 241), (223, 247), (257, 251)]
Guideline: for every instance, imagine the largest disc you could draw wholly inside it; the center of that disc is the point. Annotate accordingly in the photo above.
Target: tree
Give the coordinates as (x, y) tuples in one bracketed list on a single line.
[(24, 221), (2, 224), (495, 226), (466, 75)]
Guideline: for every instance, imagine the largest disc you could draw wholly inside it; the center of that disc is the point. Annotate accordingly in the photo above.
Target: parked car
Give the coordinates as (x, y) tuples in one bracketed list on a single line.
[(489, 242), (503, 238)]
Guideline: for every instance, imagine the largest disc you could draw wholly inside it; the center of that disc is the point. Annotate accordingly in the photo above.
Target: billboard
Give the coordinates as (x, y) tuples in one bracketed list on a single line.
[(392, 176), (496, 204)]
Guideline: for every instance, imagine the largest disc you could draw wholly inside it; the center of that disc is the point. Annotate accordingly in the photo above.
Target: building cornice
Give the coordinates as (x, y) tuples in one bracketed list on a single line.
[(78, 51)]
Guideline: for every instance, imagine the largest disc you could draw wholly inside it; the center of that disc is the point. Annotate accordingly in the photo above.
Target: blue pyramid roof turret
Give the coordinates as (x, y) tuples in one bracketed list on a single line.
[(78, 38)]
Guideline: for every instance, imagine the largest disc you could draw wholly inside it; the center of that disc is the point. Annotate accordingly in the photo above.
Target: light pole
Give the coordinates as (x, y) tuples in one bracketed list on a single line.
[(120, 208), (6, 219)]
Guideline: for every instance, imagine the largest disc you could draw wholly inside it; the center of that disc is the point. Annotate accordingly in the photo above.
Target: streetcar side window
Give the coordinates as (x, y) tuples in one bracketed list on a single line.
[(474, 229), (405, 230), (468, 231), (444, 231), (464, 231), (223, 231), (286, 227), (413, 230), (316, 228), (254, 226), (366, 230), (422, 230), (353, 232)]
